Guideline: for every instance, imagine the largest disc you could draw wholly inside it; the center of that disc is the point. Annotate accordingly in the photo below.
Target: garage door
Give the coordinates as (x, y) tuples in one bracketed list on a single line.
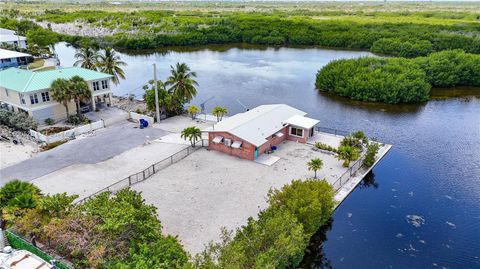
[(41, 115)]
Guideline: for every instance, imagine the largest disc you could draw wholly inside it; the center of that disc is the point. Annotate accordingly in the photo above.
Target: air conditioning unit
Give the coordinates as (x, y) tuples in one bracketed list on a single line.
[(227, 142)]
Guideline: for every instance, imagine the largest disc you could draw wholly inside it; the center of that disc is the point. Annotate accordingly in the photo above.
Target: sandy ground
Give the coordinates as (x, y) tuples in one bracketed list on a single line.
[(86, 179), (209, 190), (178, 123), (11, 154)]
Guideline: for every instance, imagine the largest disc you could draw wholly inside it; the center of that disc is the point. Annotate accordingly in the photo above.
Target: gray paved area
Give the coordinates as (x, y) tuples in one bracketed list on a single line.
[(105, 144)]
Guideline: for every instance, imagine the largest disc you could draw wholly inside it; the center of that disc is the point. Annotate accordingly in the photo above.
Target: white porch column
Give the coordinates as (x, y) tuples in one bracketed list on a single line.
[(110, 99), (94, 105)]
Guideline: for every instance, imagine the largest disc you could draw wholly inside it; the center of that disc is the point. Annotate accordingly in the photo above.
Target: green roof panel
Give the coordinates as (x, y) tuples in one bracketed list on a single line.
[(28, 81)]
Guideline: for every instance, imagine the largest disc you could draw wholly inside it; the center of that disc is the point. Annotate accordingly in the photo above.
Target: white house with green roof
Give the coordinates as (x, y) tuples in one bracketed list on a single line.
[(27, 91)]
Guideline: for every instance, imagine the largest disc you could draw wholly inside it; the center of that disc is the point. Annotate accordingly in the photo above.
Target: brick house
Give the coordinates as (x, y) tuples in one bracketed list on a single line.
[(253, 133)]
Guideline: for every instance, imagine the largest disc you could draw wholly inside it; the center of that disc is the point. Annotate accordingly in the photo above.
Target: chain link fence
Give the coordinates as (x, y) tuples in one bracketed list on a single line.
[(149, 171)]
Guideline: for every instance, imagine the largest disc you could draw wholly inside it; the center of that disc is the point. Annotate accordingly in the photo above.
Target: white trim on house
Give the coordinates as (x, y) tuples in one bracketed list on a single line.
[(302, 121)]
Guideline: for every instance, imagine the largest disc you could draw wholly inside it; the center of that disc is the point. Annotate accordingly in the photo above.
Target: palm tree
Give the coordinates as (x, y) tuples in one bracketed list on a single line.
[(181, 82), (87, 58), (347, 154), (193, 134), (60, 92), (315, 165), (219, 112), (109, 62), (80, 91), (193, 111)]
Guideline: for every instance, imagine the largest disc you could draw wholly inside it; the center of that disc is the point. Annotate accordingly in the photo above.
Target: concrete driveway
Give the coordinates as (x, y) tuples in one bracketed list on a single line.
[(105, 144)]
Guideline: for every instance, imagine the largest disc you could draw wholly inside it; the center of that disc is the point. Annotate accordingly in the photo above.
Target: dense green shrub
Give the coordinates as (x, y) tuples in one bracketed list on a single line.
[(147, 29), (402, 48), (451, 68), (322, 146), (49, 121), (389, 80), (372, 151), (107, 231), (398, 80), (78, 119), (17, 120), (278, 238)]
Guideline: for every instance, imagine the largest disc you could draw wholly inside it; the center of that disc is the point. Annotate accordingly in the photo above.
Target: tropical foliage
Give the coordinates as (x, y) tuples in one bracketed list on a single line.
[(280, 234), (372, 150), (315, 165), (169, 104), (109, 62), (193, 111), (64, 91), (389, 80), (219, 112), (348, 154), (107, 231), (192, 134), (86, 58), (399, 80), (181, 82)]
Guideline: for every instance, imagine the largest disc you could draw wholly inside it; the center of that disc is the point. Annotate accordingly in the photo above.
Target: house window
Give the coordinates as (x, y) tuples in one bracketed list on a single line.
[(6, 92), (96, 86), (33, 99), (104, 84), (45, 97), (22, 100), (296, 131)]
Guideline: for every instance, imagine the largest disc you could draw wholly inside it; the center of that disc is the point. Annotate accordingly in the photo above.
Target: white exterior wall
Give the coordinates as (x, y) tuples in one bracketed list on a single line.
[(38, 110)]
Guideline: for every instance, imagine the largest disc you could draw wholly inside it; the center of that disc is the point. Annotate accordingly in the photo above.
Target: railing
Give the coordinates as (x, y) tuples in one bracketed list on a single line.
[(149, 171), (351, 171), (331, 131), (18, 242)]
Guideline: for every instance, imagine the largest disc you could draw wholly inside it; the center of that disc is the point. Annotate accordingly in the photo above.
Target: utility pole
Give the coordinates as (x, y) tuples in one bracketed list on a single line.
[(157, 109)]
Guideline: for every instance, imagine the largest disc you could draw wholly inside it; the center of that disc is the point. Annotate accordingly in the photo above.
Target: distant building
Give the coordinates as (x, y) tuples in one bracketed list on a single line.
[(9, 37), (29, 92), (10, 58), (250, 134)]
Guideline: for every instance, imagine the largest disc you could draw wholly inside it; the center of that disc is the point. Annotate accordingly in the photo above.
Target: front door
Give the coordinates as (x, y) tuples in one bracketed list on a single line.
[(255, 153)]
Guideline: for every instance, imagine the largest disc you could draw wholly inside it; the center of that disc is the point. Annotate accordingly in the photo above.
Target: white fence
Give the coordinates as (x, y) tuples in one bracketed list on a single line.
[(68, 133), (136, 116)]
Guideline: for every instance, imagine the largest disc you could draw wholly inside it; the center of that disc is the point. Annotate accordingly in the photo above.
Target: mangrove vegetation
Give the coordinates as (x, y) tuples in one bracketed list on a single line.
[(398, 80)]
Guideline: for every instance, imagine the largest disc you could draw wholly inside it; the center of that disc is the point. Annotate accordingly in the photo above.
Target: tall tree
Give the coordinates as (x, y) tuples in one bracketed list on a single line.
[(86, 58), (60, 92), (181, 82), (79, 90), (109, 62)]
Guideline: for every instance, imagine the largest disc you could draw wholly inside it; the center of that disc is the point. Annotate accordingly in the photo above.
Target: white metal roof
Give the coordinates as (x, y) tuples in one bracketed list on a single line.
[(6, 36), (4, 31), (7, 54), (258, 123), (301, 121)]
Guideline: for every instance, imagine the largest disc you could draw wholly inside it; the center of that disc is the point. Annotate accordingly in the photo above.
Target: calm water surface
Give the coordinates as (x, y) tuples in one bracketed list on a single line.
[(420, 208)]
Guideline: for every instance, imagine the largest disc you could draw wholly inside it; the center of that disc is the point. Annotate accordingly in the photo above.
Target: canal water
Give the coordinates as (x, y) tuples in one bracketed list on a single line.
[(420, 208)]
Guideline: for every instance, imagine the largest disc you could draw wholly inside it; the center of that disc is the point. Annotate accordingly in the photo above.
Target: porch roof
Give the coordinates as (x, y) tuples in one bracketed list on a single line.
[(302, 121)]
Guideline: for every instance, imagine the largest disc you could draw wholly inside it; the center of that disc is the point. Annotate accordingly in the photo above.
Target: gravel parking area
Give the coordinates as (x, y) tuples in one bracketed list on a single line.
[(104, 144), (87, 178), (209, 190)]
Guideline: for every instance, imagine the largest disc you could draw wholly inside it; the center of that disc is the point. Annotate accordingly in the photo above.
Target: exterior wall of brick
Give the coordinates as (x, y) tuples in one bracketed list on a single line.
[(244, 152), (306, 135)]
